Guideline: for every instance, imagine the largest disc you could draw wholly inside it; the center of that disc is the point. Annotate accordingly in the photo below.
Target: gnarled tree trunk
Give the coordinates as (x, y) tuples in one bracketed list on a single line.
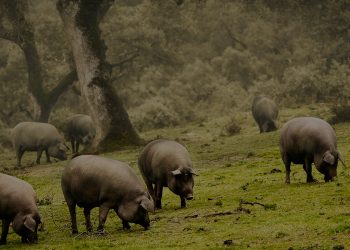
[(81, 21)]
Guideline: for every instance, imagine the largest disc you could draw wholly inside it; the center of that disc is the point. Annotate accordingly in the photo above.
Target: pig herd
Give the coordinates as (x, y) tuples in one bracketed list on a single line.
[(90, 181)]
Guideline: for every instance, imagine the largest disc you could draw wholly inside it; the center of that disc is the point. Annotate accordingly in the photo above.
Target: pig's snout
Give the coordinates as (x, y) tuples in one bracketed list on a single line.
[(189, 197)]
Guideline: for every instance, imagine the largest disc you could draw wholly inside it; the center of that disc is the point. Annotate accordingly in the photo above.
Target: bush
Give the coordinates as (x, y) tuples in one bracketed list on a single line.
[(341, 113), (232, 127), (5, 139), (154, 113)]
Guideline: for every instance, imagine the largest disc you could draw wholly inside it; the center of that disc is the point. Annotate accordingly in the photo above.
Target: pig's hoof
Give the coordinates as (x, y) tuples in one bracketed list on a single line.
[(74, 232)]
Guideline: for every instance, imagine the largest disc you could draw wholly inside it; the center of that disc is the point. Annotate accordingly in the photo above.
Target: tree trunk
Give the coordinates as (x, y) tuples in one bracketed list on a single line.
[(81, 21)]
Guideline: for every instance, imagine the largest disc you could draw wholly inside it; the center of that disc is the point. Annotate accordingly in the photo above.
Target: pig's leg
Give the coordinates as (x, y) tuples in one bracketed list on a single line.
[(87, 219), (19, 154), (38, 156), (150, 189), (159, 194), (73, 216), (5, 230), (308, 169), (183, 202), (72, 143), (287, 166), (126, 225), (102, 218), (77, 147), (47, 156)]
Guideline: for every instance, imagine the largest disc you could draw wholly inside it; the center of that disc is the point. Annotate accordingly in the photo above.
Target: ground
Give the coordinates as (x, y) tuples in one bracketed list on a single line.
[(233, 172)]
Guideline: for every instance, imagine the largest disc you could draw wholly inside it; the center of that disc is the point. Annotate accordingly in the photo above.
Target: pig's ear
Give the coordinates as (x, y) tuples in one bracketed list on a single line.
[(61, 147), (147, 204), (176, 172), (340, 157), (329, 158), (30, 223), (192, 171)]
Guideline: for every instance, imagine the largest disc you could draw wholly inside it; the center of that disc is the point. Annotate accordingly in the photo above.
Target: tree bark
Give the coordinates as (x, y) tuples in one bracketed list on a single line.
[(22, 33), (81, 21)]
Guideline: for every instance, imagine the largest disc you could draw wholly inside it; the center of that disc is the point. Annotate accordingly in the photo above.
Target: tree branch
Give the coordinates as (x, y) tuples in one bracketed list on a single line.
[(62, 86), (229, 32), (104, 7), (9, 35), (126, 60)]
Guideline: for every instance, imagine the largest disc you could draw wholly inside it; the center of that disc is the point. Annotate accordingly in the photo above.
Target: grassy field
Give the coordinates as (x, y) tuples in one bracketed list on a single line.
[(233, 172)]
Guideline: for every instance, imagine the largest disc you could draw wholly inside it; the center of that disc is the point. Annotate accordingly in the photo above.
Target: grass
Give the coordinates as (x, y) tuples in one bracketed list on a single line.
[(233, 170)]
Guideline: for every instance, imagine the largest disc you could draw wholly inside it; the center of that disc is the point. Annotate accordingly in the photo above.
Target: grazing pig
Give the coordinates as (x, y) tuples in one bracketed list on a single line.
[(265, 113), (18, 205), (307, 140), (37, 136), (167, 164), (80, 129), (92, 181)]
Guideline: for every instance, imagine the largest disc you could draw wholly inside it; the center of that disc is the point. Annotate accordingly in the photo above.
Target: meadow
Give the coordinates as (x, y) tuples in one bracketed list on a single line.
[(240, 198)]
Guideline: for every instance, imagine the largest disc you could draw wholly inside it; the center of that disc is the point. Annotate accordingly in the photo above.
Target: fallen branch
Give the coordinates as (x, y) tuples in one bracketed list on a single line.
[(266, 206)]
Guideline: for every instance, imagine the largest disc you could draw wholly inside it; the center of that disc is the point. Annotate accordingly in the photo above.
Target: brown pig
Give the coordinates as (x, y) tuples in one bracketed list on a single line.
[(18, 205), (265, 113), (307, 140), (92, 181), (166, 163)]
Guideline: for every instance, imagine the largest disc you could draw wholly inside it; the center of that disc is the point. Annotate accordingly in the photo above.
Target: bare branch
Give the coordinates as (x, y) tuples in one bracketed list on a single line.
[(126, 60), (8, 35), (62, 86), (230, 34)]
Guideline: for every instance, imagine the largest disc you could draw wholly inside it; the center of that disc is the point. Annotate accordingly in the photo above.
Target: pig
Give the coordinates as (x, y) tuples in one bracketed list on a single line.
[(80, 129), (37, 136), (307, 140), (167, 163), (18, 205), (92, 181), (265, 113)]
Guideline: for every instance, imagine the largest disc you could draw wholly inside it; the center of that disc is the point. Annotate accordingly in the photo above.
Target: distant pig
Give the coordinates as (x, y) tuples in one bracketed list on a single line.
[(265, 113), (92, 181), (307, 140), (18, 205), (80, 129), (167, 163), (37, 136)]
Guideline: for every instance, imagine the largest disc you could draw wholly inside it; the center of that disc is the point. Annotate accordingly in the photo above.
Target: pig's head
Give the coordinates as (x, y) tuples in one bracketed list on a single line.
[(87, 140), (58, 151), (136, 209), (327, 164), (269, 126), (90, 136), (180, 181), (26, 225)]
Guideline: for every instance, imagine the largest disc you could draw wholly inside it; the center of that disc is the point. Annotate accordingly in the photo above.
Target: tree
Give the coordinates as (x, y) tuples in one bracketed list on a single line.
[(81, 21), (22, 34)]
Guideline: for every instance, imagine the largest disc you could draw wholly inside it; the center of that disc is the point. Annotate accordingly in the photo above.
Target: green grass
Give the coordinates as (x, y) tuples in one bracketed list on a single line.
[(231, 169)]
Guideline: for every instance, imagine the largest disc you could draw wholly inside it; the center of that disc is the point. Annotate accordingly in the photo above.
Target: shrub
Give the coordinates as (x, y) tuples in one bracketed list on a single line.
[(341, 113), (232, 127)]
